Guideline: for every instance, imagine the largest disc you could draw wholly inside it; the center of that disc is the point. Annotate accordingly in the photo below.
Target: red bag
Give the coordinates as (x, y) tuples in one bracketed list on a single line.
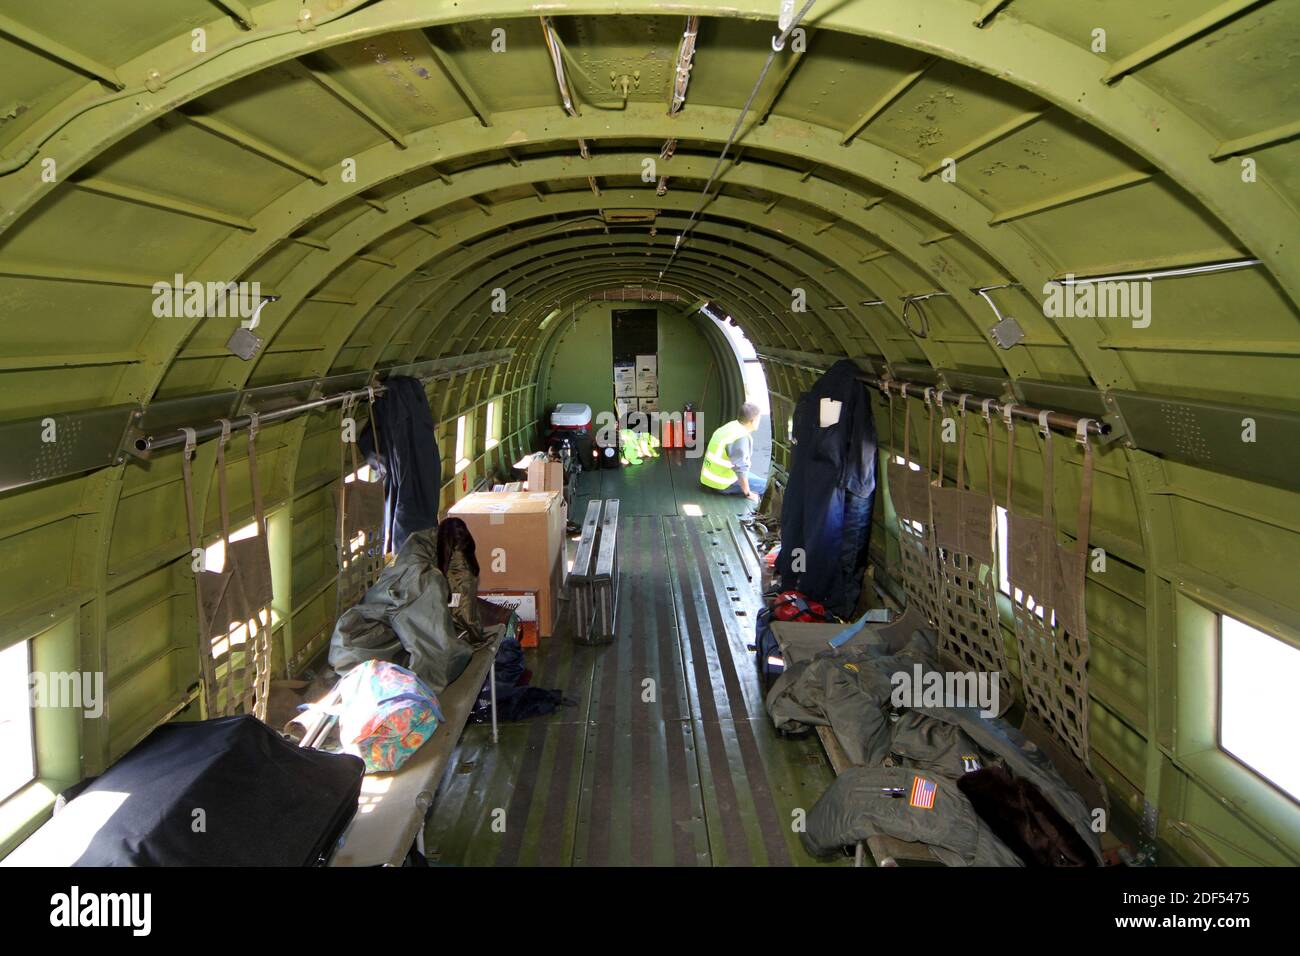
[(794, 606)]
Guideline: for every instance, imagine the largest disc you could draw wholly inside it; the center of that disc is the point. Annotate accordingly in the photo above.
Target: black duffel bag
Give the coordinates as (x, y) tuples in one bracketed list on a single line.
[(223, 792)]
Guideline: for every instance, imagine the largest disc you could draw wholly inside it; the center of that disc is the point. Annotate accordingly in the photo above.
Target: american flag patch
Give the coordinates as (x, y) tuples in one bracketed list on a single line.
[(923, 792)]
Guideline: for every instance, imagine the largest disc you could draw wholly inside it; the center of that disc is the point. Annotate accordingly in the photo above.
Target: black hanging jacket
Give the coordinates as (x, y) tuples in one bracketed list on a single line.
[(826, 511), (407, 458)]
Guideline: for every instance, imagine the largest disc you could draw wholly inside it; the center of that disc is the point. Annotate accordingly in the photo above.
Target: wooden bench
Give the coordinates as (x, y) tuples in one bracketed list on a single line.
[(800, 642)]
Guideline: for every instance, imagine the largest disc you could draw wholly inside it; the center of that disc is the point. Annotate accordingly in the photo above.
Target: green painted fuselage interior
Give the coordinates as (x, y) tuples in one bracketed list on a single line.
[(383, 167)]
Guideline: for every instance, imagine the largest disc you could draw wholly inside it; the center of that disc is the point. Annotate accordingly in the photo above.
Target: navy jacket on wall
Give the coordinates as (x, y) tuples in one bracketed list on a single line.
[(826, 511), (407, 458)]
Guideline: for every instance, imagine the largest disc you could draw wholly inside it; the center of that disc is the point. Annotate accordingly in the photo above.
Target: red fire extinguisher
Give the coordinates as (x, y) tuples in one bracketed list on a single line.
[(688, 420)]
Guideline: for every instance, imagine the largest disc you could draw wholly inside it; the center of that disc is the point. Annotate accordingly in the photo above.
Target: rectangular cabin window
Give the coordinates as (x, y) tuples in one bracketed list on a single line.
[(1004, 574), (462, 444), (214, 559), (214, 555), (493, 429), (17, 753), (1258, 710), (917, 526)]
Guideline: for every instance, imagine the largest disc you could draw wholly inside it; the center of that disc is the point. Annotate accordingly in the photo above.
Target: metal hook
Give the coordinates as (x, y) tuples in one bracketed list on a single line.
[(191, 441), (961, 403), (254, 423), (1006, 415), (984, 409), (1043, 427), (225, 429), (1081, 431), (938, 398), (928, 395)]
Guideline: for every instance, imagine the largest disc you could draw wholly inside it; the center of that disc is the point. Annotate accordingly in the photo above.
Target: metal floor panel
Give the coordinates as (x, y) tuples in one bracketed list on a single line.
[(670, 759)]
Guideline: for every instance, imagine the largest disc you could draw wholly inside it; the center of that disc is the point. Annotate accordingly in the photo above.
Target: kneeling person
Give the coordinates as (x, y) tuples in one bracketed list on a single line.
[(726, 460)]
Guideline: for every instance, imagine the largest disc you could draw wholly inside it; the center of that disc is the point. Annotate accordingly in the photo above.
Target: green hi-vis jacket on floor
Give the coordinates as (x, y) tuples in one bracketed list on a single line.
[(637, 445), (907, 761)]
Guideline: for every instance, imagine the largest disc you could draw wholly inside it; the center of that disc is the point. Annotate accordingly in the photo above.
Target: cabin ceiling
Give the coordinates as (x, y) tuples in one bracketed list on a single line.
[(126, 158)]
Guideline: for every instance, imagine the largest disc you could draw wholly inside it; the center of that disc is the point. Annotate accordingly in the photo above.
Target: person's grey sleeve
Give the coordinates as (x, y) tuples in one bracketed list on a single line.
[(739, 452)]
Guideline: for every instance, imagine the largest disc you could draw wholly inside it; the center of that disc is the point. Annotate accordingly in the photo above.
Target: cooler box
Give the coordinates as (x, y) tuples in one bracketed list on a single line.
[(572, 420)]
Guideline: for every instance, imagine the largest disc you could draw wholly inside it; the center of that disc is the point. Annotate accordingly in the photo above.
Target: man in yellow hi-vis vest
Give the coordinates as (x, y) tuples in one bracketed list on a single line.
[(726, 460)]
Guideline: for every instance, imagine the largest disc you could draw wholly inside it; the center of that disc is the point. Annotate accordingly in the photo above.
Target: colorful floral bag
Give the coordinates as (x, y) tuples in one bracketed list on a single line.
[(385, 714)]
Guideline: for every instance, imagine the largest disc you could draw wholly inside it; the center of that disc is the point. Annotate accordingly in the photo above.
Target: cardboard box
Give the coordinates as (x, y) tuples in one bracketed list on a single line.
[(647, 376), (648, 404), (624, 374), (545, 476), (521, 532), (523, 603), (625, 389)]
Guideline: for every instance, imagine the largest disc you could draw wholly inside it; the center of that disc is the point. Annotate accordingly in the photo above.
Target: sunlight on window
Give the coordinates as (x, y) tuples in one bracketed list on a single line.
[(17, 763), (1004, 579), (493, 430), (1258, 712), (214, 555), (239, 633), (1004, 573), (364, 473), (462, 442)]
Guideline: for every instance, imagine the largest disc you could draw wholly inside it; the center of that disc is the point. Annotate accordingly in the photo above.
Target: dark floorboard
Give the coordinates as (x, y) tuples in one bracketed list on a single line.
[(668, 758)]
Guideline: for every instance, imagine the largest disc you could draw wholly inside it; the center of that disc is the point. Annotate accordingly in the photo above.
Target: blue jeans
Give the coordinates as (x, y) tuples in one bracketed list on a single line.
[(757, 484)]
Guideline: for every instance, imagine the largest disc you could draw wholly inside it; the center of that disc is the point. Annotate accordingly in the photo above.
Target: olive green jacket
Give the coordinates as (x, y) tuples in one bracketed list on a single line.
[(465, 615)]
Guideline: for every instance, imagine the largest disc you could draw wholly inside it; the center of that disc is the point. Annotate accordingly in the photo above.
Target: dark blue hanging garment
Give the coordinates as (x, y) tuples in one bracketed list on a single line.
[(826, 510), (407, 457)]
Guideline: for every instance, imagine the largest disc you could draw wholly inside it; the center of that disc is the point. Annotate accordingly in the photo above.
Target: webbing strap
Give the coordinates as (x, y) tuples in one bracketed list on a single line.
[(191, 441), (221, 481), (889, 397), (938, 424), (988, 427), (1011, 445), (927, 397), (349, 402), (1085, 493), (259, 513), (1049, 457), (961, 439), (907, 424)]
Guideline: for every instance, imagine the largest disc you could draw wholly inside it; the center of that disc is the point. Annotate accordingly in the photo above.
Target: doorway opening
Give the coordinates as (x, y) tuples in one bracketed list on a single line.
[(755, 380)]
